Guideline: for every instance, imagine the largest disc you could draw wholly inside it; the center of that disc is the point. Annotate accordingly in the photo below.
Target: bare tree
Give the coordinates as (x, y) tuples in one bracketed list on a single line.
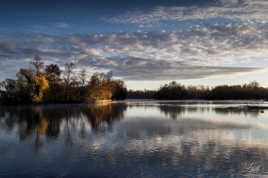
[(38, 65), (82, 77), (69, 67)]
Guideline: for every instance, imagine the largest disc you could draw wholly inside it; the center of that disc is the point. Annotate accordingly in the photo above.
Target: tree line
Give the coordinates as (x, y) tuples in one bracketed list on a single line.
[(140, 94), (176, 91), (50, 84)]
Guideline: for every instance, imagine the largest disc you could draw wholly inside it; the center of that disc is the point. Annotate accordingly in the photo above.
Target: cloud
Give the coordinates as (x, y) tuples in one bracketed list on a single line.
[(148, 69), (196, 52), (242, 10), (93, 51)]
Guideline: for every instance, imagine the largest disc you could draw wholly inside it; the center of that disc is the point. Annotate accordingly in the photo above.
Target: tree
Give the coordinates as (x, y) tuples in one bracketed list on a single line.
[(70, 89), (253, 84), (82, 77), (9, 91), (25, 83), (53, 69), (30, 86), (38, 64), (36, 86), (69, 67), (119, 90), (100, 87), (39, 86), (25, 76)]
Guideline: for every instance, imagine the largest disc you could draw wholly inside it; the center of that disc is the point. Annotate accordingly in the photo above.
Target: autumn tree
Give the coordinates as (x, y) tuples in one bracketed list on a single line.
[(103, 87), (98, 88), (45, 85), (31, 86)]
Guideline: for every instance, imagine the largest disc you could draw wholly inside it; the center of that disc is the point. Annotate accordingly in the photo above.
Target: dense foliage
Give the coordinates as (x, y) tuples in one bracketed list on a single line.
[(174, 90), (140, 94), (46, 84)]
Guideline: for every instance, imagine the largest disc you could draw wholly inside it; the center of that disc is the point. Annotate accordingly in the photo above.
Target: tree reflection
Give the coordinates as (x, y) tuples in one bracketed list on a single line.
[(172, 112), (176, 111), (49, 122), (182, 147), (253, 112)]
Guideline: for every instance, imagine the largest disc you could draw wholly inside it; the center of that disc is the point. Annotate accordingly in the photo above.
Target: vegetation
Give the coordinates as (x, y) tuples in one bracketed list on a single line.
[(45, 84), (140, 94), (50, 84), (174, 91)]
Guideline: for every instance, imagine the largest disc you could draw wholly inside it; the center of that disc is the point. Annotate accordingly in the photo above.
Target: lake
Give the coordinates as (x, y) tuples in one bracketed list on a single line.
[(136, 138)]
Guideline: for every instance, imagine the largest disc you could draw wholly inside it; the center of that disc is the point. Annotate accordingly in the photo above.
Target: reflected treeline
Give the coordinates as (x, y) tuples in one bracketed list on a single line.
[(175, 111), (51, 120), (172, 111), (253, 112)]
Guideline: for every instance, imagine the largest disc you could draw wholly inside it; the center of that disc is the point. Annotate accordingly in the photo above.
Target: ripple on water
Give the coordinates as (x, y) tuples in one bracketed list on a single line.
[(148, 139)]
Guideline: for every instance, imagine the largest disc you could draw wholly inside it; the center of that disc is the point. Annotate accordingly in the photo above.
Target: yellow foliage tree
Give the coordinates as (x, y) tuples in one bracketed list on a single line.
[(39, 86)]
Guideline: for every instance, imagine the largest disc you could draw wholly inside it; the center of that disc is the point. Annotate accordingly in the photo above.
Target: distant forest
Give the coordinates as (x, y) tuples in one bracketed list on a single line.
[(49, 84), (176, 91)]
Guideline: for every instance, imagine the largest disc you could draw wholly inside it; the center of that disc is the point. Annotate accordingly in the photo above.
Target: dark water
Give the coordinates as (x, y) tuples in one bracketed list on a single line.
[(135, 139)]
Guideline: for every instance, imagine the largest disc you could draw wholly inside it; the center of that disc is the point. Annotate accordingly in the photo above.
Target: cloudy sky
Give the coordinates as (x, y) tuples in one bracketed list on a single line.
[(144, 42)]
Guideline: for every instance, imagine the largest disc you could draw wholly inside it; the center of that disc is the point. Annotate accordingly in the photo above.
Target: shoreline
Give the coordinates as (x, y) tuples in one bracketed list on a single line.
[(100, 102), (105, 102)]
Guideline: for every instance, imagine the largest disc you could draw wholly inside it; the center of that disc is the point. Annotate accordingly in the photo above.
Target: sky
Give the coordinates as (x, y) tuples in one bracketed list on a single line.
[(146, 43)]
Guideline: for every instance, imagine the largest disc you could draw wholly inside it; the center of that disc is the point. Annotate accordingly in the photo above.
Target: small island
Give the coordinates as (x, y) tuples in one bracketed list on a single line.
[(46, 84)]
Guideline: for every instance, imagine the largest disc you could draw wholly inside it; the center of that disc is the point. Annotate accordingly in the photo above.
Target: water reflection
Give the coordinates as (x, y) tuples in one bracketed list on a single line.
[(49, 121), (126, 140), (253, 112), (177, 111)]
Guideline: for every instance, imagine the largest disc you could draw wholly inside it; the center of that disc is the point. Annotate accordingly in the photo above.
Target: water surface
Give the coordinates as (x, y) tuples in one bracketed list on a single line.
[(136, 139)]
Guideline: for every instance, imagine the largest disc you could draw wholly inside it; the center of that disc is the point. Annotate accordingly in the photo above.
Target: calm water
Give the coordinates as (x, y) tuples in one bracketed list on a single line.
[(135, 139)]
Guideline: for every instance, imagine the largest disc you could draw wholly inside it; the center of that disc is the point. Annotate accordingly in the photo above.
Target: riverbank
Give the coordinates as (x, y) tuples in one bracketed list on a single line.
[(100, 102)]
